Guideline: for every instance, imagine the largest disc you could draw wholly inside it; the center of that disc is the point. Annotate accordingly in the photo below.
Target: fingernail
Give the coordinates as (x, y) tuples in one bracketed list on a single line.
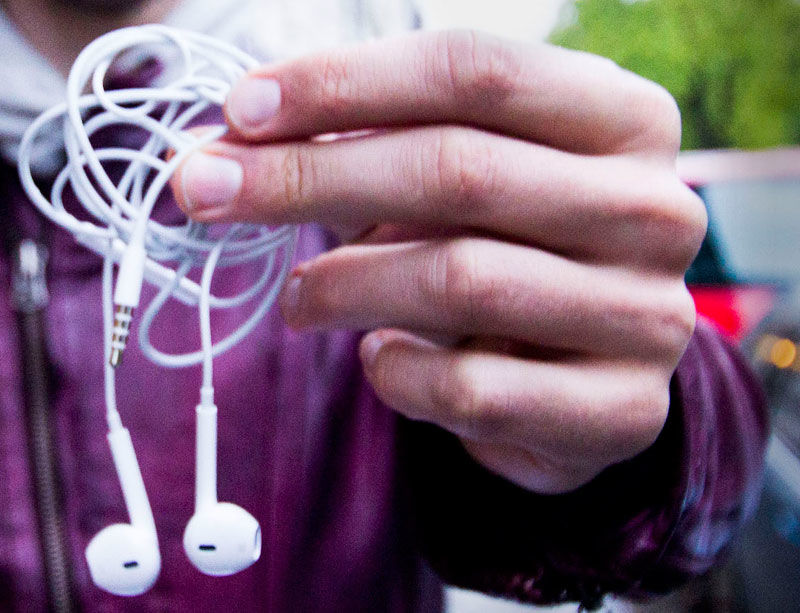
[(253, 101), (370, 346), (210, 181), (290, 295)]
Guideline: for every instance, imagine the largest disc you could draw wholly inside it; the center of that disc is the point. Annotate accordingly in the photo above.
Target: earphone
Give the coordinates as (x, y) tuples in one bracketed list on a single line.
[(220, 538), (123, 558)]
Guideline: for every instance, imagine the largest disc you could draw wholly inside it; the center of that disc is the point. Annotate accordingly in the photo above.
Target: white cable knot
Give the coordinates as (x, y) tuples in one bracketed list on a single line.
[(120, 227)]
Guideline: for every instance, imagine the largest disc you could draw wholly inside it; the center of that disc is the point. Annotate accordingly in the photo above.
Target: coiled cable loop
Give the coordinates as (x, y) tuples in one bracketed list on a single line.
[(119, 225)]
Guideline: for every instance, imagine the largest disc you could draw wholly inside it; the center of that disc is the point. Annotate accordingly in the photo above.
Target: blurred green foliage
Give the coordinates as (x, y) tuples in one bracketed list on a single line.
[(732, 65)]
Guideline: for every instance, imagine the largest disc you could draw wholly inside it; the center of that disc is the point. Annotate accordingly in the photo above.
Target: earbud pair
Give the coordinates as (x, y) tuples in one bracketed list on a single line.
[(220, 539)]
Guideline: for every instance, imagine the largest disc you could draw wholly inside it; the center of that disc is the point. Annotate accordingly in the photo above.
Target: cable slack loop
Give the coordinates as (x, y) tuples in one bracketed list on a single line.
[(119, 186)]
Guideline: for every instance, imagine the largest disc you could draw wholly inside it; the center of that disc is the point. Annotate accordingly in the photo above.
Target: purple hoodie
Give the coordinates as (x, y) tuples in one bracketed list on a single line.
[(356, 504)]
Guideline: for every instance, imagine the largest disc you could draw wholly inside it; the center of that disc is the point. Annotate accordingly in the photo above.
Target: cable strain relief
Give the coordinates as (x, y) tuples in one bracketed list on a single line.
[(207, 396), (114, 421), (130, 275)]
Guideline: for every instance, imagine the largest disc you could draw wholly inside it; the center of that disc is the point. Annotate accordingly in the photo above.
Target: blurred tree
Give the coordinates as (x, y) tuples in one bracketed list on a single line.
[(732, 65)]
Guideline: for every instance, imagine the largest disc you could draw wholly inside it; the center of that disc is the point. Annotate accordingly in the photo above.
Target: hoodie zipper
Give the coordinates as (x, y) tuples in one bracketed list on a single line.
[(30, 298)]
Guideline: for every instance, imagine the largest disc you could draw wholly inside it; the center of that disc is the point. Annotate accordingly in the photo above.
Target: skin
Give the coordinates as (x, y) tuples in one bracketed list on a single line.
[(514, 233), (60, 29), (515, 238)]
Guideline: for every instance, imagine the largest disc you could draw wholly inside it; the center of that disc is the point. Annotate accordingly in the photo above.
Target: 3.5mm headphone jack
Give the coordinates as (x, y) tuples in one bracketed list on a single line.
[(126, 296), (119, 337)]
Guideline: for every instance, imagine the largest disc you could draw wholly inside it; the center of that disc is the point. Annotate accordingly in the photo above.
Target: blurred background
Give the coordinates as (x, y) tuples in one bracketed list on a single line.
[(734, 68)]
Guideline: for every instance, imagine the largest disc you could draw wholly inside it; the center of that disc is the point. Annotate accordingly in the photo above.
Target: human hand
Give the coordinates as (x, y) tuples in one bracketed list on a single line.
[(519, 201)]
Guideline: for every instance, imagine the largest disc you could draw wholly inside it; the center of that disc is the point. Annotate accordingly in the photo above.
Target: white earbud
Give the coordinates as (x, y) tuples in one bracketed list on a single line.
[(220, 538), (123, 558)]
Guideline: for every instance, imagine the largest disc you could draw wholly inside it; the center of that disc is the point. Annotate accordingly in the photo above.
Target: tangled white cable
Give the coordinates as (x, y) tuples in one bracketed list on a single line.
[(221, 538), (122, 228)]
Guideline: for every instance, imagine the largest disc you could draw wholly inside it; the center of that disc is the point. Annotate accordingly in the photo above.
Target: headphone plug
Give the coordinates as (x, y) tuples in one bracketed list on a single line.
[(126, 297)]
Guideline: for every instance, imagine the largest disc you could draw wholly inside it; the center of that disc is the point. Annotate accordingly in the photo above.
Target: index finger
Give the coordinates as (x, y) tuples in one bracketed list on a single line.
[(565, 99)]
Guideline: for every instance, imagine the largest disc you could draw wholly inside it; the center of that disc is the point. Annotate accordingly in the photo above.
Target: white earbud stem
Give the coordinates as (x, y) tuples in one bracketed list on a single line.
[(221, 538)]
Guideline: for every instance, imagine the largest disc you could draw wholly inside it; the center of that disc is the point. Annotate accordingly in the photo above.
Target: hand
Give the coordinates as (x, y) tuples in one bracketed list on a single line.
[(518, 236)]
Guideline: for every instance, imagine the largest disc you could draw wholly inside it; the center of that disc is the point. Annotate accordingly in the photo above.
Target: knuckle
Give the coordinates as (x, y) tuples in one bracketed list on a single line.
[(656, 121), (631, 423), (466, 169), (678, 321), (662, 317), (681, 222), (604, 65), (298, 178), (463, 404), (455, 285), (480, 68), (692, 225), (665, 220), (320, 300), (646, 413), (667, 324), (381, 375), (651, 317), (453, 392), (667, 128), (335, 83)]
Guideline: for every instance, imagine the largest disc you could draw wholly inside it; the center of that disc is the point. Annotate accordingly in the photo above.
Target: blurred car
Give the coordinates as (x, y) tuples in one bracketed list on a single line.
[(746, 280)]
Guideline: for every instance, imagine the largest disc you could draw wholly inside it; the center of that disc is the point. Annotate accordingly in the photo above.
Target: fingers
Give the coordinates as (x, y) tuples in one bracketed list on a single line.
[(559, 412), (488, 288), (549, 95), (530, 470), (457, 177)]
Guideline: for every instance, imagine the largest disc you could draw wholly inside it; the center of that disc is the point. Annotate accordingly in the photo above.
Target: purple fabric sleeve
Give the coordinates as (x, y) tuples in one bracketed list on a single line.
[(640, 528)]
